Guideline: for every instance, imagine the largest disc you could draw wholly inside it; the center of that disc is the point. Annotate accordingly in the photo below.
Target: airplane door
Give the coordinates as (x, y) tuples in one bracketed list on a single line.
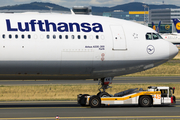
[(119, 39)]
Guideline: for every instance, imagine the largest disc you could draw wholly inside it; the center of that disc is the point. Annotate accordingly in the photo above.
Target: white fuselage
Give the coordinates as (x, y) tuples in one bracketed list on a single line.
[(172, 37), (56, 46)]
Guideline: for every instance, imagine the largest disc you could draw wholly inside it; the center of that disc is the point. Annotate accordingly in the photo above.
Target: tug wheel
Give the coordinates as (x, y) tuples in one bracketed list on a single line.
[(145, 101), (103, 94), (83, 100), (95, 101)]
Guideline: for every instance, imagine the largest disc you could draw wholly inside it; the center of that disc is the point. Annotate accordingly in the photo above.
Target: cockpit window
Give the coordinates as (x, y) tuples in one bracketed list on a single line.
[(153, 36), (160, 37), (148, 36)]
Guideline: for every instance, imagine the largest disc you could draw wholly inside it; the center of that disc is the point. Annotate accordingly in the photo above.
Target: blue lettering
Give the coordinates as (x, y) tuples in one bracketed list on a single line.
[(26, 27), (32, 23), (40, 23), (9, 26), (96, 46), (71, 27), (63, 27), (88, 46), (97, 27), (47, 24), (86, 27)]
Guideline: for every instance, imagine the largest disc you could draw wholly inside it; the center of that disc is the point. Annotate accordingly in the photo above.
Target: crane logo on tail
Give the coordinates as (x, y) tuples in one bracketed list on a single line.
[(178, 26)]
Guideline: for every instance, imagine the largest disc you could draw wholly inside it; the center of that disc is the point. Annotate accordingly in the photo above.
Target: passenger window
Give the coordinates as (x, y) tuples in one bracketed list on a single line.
[(10, 36), (97, 36), (60, 36), (47, 36), (22, 36), (155, 37), (79, 37), (72, 36), (66, 36), (148, 36), (29, 36), (85, 37), (54, 36), (16, 36), (3, 36)]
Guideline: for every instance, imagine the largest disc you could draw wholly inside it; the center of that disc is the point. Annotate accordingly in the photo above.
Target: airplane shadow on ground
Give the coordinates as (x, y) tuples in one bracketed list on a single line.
[(76, 105), (40, 105)]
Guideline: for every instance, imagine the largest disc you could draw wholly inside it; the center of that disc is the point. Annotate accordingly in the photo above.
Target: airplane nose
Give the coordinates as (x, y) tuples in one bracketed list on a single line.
[(173, 51)]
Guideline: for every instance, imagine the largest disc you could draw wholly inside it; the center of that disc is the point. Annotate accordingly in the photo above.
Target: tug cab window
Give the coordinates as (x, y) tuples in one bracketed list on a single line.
[(164, 93)]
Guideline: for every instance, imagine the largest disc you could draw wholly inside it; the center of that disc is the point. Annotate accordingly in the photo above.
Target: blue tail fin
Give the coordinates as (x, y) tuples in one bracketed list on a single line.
[(153, 26), (158, 28), (177, 25)]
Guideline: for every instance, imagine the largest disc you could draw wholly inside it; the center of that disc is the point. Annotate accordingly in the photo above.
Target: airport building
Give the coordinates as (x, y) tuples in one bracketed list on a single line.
[(165, 16), (131, 15), (153, 15)]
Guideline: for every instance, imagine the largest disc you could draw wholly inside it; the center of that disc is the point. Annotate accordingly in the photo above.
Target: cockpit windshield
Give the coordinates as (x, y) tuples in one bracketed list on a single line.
[(153, 36), (160, 37)]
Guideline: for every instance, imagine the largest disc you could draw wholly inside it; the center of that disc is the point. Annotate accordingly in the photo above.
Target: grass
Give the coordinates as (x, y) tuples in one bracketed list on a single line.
[(178, 55), (166, 69), (170, 68), (65, 92)]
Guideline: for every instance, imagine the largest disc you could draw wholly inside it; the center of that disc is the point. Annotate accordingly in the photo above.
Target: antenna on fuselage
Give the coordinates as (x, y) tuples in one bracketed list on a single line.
[(72, 12), (49, 8)]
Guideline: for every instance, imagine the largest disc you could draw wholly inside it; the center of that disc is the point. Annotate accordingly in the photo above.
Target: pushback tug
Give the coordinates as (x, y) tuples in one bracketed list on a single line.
[(145, 98)]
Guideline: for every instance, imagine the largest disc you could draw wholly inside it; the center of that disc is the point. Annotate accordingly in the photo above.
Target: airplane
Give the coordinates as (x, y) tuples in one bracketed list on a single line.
[(52, 46), (173, 37), (153, 26), (177, 24), (158, 27)]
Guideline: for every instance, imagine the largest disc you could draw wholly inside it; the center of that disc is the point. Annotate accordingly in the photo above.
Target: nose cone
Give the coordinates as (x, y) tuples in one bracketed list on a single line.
[(173, 51)]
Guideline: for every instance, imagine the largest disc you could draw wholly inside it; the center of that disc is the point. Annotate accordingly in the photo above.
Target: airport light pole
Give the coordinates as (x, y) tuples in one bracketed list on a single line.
[(146, 18)]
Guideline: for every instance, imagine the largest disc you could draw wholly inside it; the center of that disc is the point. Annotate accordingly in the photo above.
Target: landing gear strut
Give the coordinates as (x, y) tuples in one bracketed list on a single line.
[(95, 100), (104, 82)]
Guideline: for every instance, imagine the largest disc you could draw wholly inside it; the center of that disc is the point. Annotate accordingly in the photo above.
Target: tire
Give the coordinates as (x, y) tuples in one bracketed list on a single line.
[(95, 102), (145, 101), (103, 94), (174, 99), (83, 100)]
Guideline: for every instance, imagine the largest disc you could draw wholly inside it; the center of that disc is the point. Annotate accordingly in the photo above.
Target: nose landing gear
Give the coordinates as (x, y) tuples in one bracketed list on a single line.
[(95, 100), (104, 82)]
